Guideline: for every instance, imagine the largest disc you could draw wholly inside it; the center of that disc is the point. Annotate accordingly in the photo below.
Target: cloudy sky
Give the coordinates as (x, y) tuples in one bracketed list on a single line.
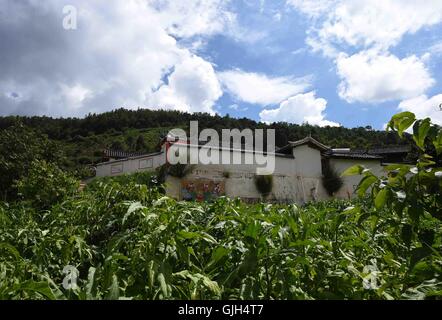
[(326, 62)]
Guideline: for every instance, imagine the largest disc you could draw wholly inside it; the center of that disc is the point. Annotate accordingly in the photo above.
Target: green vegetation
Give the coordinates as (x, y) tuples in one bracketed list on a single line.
[(331, 180), (264, 184), (20, 146), (126, 240)]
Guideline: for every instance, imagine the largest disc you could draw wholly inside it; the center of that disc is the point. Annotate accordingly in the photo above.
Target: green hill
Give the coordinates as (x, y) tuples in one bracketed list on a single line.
[(83, 139)]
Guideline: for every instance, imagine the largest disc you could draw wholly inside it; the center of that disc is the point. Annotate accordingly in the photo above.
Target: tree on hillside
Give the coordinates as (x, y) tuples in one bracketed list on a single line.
[(140, 144), (20, 146)]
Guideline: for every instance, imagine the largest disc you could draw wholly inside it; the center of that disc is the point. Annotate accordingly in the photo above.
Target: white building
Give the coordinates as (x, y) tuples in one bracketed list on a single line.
[(297, 176)]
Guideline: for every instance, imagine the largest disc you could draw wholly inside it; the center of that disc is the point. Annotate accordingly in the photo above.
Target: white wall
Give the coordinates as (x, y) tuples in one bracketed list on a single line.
[(350, 183), (294, 180), (297, 179), (131, 165), (308, 174)]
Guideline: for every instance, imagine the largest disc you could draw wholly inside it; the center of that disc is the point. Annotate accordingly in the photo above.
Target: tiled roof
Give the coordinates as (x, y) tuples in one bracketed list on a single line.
[(352, 155), (307, 140), (131, 156), (390, 150), (118, 154)]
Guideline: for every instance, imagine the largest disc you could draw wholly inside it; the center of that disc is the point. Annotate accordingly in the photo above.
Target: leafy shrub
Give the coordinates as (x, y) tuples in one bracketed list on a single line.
[(412, 194), (331, 180), (20, 146), (226, 174), (147, 178), (264, 184), (46, 185), (176, 170)]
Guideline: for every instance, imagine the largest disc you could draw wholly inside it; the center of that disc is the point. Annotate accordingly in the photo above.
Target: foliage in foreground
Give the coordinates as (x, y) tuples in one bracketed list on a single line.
[(130, 241)]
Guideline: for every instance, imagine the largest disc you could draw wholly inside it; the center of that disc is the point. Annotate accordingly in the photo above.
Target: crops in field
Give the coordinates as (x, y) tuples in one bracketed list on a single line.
[(124, 239), (129, 241)]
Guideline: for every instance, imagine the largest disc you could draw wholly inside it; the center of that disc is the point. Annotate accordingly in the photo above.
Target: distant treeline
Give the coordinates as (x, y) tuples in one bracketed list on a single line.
[(120, 121)]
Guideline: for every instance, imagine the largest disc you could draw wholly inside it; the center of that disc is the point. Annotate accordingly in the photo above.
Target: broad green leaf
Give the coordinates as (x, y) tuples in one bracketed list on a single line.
[(135, 206), (11, 249), (90, 283), (425, 162), (420, 131), (354, 170), (381, 198), (196, 235), (114, 289), (163, 285), (218, 254), (418, 254), (401, 122), (352, 210), (366, 183), (41, 287)]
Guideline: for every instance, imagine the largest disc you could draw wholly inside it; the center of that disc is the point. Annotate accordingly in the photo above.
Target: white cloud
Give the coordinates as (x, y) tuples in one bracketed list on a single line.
[(260, 89), (192, 86), (373, 77), (119, 56), (424, 107), (367, 23), (277, 17), (436, 48), (237, 107), (195, 17), (312, 8), (299, 109)]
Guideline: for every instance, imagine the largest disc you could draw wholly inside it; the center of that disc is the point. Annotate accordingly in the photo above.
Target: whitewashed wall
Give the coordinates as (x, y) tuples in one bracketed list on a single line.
[(288, 180), (131, 165), (350, 183), (295, 179)]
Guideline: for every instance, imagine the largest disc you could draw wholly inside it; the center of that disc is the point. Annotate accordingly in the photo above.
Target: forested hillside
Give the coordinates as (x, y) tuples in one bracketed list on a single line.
[(83, 140)]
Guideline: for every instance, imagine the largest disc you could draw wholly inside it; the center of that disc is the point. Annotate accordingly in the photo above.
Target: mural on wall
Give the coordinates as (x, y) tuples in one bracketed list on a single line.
[(202, 189)]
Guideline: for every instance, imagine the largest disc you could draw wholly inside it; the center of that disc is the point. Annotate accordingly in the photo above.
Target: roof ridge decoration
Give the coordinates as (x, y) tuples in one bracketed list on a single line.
[(310, 140)]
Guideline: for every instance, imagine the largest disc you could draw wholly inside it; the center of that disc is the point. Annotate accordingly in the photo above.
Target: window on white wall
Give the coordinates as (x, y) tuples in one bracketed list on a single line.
[(116, 168), (145, 163)]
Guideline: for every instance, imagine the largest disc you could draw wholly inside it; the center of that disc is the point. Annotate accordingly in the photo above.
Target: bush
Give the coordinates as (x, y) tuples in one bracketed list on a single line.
[(176, 170), (264, 184), (147, 178), (19, 146), (331, 180), (46, 185), (410, 193)]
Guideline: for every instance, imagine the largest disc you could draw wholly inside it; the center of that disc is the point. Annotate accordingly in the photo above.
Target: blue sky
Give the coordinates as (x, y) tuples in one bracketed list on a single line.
[(326, 62)]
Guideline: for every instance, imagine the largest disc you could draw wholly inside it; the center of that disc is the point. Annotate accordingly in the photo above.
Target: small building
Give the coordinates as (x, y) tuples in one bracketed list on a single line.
[(297, 175)]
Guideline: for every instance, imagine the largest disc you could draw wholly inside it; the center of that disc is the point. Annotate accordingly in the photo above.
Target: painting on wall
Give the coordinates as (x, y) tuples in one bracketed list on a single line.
[(117, 168), (202, 189), (145, 163)]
